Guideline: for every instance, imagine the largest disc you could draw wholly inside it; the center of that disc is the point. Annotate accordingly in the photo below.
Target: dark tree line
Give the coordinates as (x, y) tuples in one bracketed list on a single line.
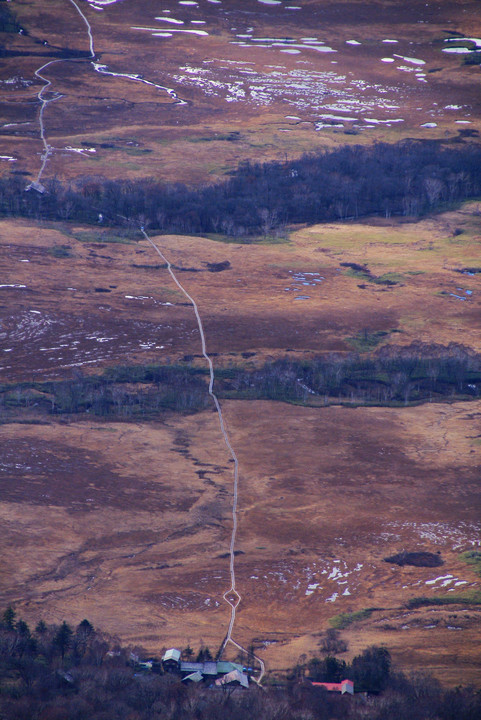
[(59, 672), (391, 376), (408, 178), (125, 393)]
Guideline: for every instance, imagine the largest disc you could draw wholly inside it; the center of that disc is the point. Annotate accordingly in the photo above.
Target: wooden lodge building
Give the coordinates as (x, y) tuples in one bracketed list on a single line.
[(220, 673)]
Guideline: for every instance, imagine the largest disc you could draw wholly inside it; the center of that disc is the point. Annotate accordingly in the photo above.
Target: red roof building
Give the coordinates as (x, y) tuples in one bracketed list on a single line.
[(346, 686)]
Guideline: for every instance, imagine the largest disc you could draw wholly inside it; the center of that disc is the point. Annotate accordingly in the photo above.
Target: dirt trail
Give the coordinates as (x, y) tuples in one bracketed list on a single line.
[(231, 596)]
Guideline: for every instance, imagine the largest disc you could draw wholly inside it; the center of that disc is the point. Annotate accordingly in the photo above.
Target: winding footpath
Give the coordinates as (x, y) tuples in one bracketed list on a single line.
[(103, 69), (47, 149), (98, 67), (231, 596)]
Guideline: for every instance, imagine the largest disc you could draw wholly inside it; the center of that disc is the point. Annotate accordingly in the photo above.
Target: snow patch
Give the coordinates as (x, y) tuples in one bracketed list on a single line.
[(333, 597)]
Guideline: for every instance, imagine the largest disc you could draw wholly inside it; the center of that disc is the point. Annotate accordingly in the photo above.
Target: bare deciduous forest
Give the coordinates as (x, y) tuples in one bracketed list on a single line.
[(409, 178), (390, 377)]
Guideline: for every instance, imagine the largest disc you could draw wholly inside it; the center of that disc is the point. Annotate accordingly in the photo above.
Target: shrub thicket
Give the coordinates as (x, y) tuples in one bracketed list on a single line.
[(393, 376)]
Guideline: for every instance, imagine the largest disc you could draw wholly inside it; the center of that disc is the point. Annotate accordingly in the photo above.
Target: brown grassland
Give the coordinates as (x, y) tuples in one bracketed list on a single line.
[(128, 523), (138, 130), (134, 518)]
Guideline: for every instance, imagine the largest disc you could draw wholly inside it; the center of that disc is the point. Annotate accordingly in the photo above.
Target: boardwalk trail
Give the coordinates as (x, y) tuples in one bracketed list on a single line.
[(47, 149), (231, 596), (98, 67)]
